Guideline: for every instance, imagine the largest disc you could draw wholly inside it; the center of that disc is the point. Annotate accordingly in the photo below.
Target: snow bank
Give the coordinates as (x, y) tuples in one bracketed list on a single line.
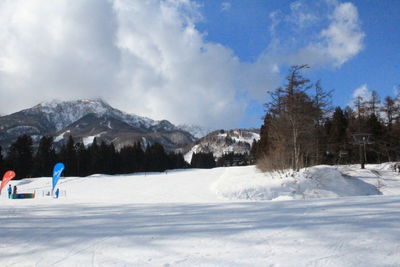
[(222, 185), (315, 182)]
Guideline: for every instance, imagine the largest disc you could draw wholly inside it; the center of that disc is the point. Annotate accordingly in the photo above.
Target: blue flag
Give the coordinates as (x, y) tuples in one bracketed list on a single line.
[(58, 169)]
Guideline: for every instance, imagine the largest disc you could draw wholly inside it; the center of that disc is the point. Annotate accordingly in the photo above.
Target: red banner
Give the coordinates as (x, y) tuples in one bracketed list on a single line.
[(6, 178)]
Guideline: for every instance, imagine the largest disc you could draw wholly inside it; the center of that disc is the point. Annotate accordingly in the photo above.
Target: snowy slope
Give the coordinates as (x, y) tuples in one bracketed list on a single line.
[(63, 113), (224, 184), (361, 231), (185, 218), (223, 142), (172, 186)]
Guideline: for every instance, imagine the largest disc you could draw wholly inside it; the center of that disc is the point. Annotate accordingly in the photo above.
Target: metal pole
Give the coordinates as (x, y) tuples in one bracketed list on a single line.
[(365, 153), (361, 157)]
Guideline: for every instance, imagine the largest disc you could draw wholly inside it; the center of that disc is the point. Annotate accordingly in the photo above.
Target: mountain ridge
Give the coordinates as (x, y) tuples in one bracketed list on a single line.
[(86, 119), (58, 118)]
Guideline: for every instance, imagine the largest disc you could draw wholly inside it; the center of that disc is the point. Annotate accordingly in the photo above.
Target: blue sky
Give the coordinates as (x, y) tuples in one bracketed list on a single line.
[(243, 26), (201, 62)]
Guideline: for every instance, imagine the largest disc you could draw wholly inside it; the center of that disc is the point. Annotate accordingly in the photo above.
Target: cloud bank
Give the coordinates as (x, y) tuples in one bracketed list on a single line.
[(148, 58)]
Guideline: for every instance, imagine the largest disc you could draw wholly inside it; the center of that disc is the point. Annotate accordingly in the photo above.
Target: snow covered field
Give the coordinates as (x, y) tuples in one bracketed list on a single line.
[(221, 217)]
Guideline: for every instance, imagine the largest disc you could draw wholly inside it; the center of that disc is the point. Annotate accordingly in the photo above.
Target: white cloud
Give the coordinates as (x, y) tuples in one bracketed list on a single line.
[(225, 6), (301, 15), (343, 38), (338, 42), (363, 92), (147, 57), (396, 90)]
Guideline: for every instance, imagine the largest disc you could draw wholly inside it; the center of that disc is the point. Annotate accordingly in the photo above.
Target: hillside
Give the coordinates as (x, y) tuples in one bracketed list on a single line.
[(224, 141)]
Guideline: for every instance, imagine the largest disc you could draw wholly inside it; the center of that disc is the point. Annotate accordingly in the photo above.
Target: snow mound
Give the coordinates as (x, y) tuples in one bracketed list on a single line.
[(248, 183)]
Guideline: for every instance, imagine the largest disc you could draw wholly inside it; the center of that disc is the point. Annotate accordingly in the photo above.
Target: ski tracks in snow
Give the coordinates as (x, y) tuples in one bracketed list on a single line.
[(91, 248)]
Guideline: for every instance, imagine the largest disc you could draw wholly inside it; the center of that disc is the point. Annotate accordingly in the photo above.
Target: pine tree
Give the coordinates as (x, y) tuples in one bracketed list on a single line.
[(20, 157), (106, 158), (69, 158), (132, 159), (83, 160), (2, 167), (203, 160), (95, 157), (291, 119), (156, 158), (45, 158), (176, 161), (338, 130)]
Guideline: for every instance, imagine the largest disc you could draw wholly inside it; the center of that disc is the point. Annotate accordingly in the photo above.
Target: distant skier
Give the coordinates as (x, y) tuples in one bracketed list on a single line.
[(57, 192), (9, 191), (15, 190)]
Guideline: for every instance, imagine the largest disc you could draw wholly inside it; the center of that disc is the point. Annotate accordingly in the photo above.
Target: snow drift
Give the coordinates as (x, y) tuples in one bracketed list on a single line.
[(248, 183)]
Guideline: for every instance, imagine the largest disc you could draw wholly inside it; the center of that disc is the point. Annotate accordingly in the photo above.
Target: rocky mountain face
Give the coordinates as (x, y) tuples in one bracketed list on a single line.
[(87, 119), (222, 142)]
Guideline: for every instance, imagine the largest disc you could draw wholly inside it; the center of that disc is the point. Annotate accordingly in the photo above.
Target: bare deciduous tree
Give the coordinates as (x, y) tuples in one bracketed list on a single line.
[(291, 119)]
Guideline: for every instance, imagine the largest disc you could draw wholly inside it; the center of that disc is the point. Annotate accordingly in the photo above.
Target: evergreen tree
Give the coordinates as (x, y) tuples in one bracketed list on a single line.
[(69, 157), (337, 136), (176, 161), (45, 158), (2, 167), (95, 158), (376, 151), (20, 158), (203, 160), (132, 159), (83, 160), (106, 158), (156, 158), (232, 159)]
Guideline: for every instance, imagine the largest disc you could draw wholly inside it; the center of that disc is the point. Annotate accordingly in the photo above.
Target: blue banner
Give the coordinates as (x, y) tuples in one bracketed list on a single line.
[(58, 169)]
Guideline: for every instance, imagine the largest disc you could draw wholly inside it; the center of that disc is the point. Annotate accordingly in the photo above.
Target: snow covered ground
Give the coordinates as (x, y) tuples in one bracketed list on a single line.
[(338, 216)]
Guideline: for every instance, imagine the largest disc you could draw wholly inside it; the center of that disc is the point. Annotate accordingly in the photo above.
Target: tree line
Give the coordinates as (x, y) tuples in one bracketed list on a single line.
[(301, 128), (80, 160)]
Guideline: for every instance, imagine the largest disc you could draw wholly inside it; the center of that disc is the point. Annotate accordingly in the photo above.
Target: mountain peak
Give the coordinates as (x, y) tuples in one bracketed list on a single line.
[(55, 117), (54, 103)]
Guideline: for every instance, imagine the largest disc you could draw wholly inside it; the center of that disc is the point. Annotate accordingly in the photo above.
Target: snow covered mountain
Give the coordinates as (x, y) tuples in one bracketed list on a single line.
[(86, 119), (221, 142), (60, 114), (197, 131), (112, 130)]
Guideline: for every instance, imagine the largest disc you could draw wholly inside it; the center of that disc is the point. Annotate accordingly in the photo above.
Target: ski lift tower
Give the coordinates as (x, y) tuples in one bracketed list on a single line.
[(362, 140)]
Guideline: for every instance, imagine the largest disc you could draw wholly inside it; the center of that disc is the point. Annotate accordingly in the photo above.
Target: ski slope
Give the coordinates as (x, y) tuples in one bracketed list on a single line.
[(337, 216)]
